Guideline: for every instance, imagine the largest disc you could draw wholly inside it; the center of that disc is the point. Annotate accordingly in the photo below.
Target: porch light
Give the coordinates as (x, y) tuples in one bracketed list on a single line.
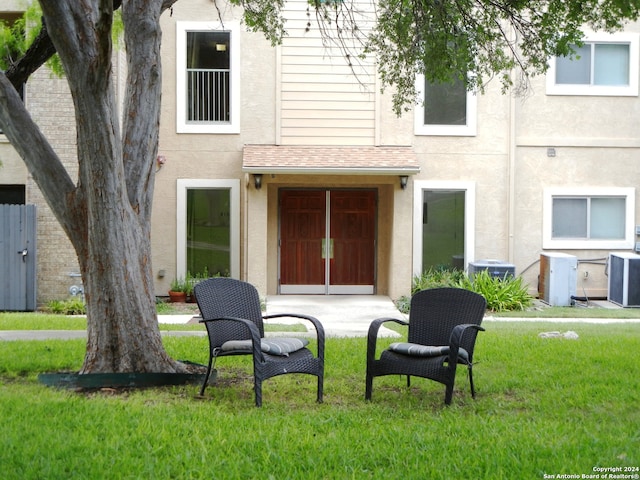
[(403, 181), (257, 180)]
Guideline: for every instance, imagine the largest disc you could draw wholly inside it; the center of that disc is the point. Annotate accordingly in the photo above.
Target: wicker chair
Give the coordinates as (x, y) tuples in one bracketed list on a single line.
[(231, 312), (443, 324)]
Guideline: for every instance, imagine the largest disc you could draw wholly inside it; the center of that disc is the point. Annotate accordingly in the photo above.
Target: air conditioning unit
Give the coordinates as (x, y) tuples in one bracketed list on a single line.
[(496, 268), (624, 279), (558, 278)]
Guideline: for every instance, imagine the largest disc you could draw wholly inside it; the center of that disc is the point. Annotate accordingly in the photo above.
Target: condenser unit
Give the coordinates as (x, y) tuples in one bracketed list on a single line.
[(496, 268), (624, 279), (558, 278)]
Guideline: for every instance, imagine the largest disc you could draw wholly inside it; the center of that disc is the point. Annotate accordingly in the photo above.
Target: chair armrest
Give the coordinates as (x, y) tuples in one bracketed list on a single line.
[(456, 337), (372, 337), (320, 336), (253, 332)]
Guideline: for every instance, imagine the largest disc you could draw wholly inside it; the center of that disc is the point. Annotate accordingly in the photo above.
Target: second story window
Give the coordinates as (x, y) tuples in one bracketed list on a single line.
[(208, 79), (604, 65), (448, 109)]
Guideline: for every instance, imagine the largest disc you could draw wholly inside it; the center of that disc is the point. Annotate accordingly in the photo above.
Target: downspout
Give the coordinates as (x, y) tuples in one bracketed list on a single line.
[(245, 226), (511, 165)]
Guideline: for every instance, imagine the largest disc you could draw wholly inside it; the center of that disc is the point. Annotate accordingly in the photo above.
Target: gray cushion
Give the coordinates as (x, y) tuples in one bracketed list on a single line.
[(272, 346), (417, 350)]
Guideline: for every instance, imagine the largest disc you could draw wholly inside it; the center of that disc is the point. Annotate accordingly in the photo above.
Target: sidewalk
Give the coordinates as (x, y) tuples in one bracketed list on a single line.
[(341, 316)]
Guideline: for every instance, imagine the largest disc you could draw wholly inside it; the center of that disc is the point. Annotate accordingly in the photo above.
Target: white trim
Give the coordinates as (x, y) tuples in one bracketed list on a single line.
[(630, 90), (181, 68), (468, 130), (548, 242), (350, 290), (303, 289), (304, 170), (469, 217), (181, 226)]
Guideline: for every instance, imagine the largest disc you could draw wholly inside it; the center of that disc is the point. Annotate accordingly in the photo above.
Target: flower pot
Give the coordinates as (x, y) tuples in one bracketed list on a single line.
[(177, 297)]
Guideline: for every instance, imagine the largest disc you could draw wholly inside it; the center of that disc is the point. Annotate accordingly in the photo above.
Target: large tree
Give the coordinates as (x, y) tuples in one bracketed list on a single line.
[(106, 213)]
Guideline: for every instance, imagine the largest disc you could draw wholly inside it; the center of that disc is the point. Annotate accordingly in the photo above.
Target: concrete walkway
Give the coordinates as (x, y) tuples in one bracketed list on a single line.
[(340, 315)]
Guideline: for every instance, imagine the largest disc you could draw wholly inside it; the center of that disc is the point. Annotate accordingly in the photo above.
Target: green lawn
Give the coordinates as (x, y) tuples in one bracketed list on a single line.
[(544, 407)]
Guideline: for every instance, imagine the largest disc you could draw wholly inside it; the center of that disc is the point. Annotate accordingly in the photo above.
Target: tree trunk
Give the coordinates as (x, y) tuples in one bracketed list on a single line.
[(107, 215)]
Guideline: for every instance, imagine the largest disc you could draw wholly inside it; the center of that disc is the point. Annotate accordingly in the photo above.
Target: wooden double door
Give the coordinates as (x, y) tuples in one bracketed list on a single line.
[(327, 241)]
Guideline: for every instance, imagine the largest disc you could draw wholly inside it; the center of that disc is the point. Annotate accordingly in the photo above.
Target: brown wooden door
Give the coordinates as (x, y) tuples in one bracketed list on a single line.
[(338, 225), (302, 236), (352, 231)]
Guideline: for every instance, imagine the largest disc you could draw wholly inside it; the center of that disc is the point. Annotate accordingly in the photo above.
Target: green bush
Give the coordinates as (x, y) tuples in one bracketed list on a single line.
[(502, 294), (433, 278), (437, 277), (71, 306)]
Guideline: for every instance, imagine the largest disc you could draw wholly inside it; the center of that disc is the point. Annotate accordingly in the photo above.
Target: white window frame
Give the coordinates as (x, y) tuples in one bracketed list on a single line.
[(631, 90), (548, 242), (468, 130), (182, 126), (469, 217), (181, 224)]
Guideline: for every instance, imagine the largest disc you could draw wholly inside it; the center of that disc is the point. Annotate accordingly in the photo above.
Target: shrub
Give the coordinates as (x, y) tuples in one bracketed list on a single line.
[(502, 294), (437, 277), (433, 278), (71, 306)]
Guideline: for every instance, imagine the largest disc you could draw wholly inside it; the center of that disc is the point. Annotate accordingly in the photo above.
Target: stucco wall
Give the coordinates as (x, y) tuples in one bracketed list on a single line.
[(195, 156)]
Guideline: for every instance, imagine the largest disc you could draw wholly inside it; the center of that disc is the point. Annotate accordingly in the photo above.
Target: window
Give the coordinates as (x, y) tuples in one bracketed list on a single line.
[(581, 218), (448, 109), (208, 78), (12, 194), (605, 65), (208, 227)]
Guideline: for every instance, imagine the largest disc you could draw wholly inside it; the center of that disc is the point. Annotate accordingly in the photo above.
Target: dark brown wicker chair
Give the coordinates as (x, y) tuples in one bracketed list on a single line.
[(443, 324), (231, 312)]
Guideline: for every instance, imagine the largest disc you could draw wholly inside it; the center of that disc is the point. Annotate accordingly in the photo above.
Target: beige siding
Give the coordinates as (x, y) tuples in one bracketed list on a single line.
[(323, 100)]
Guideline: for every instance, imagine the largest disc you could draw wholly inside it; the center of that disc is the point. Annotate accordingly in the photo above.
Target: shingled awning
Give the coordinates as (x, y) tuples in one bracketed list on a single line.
[(331, 160)]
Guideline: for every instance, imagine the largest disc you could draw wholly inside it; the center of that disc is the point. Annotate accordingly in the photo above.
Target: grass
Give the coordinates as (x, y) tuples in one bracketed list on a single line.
[(572, 312), (45, 321), (544, 406)]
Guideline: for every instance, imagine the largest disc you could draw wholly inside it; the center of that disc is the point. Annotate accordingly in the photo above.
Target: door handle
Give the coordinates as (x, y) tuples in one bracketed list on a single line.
[(24, 254), (324, 248)]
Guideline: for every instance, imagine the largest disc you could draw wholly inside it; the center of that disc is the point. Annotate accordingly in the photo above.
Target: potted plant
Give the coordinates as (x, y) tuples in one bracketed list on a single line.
[(189, 283), (178, 291), (192, 280)]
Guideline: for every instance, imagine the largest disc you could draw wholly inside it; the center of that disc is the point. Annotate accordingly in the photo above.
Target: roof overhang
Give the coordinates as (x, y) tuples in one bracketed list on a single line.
[(329, 160)]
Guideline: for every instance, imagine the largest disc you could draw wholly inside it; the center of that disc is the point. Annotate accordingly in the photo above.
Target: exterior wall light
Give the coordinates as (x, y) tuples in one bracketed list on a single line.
[(257, 180), (403, 181)]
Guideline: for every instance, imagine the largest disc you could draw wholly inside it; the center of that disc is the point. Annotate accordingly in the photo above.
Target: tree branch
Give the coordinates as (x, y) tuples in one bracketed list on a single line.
[(42, 49), (42, 161)]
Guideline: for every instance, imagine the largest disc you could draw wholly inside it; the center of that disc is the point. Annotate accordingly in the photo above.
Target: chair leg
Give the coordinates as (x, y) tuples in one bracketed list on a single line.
[(448, 394), (320, 388), (368, 387), (473, 390), (257, 388), (206, 377), (408, 381)]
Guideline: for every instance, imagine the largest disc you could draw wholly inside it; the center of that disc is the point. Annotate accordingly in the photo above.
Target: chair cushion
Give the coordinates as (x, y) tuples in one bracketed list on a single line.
[(272, 346), (417, 350)]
